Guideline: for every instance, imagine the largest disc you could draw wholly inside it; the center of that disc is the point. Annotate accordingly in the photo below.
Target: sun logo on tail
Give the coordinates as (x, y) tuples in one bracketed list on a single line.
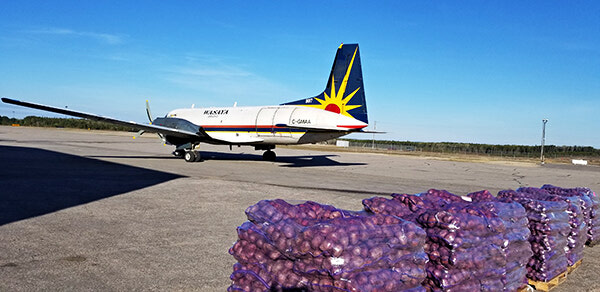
[(336, 101)]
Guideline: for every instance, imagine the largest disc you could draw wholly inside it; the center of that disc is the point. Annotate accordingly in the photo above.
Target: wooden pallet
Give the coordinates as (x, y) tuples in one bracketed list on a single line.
[(547, 286)]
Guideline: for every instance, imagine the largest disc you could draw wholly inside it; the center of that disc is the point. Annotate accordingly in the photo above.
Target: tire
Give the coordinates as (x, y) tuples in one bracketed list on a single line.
[(198, 156), (269, 156), (190, 156)]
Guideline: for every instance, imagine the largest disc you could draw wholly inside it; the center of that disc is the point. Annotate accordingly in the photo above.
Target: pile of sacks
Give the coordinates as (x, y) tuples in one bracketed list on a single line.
[(516, 248), (472, 246), (320, 248), (433, 241), (578, 229), (548, 223), (589, 207), (561, 222)]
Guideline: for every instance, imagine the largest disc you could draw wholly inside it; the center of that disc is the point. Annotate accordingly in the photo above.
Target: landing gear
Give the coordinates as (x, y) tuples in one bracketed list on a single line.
[(188, 152), (269, 155), (192, 156)]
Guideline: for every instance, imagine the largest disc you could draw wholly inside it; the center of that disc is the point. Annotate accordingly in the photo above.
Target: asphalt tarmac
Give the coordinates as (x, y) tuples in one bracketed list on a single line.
[(91, 210)]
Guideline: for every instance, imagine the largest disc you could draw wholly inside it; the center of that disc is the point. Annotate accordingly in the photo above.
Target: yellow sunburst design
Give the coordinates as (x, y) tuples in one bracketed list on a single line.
[(336, 102)]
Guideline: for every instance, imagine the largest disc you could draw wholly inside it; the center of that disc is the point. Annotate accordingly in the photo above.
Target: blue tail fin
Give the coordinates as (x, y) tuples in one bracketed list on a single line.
[(344, 93)]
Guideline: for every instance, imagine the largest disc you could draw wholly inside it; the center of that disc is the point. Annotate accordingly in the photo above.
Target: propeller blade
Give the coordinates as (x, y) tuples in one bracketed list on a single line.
[(162, 137), (148, 112), (139, 133)]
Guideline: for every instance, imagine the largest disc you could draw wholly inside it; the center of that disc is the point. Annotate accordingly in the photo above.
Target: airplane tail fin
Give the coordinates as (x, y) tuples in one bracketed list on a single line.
[(344, 92)]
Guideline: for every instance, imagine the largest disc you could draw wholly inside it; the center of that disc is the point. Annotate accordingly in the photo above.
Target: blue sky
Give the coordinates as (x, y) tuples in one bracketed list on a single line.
[(478, 72)]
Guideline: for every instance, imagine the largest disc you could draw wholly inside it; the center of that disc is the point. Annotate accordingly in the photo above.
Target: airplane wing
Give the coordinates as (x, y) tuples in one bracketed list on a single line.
[(146, 127)]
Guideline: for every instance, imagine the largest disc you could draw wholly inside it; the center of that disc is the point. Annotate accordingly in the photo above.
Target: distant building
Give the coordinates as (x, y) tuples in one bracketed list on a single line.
[(342, 143)]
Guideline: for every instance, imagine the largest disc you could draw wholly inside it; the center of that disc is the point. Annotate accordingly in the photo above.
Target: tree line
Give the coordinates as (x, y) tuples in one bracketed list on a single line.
[(489, 149), (33, 121)]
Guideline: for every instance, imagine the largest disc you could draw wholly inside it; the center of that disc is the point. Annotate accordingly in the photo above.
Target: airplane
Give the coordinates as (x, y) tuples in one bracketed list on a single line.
[(339, 110)]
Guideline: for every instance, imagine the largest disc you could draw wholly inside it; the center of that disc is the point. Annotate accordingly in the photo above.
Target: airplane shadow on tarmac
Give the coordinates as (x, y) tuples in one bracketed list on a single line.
[(284, 161), (35, 182)]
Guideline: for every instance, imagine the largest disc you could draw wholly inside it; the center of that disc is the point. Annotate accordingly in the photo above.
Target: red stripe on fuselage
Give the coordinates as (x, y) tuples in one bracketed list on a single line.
[(241, 126), (352, 126)]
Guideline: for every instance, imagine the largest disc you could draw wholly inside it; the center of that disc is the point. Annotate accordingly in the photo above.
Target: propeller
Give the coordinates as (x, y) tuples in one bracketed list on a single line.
[(149, 114)]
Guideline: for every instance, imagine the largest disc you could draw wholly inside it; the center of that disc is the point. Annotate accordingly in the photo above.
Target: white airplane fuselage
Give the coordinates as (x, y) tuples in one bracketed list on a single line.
[(285, 124)]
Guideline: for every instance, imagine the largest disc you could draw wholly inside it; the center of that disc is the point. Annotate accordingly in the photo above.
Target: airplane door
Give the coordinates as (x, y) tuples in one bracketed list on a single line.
[(264, 121), (282, 116), (268, 117)]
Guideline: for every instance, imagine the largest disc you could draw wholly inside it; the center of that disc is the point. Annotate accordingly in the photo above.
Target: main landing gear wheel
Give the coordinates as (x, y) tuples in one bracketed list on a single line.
[(189, 156), (269, 155), (192, 156)]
